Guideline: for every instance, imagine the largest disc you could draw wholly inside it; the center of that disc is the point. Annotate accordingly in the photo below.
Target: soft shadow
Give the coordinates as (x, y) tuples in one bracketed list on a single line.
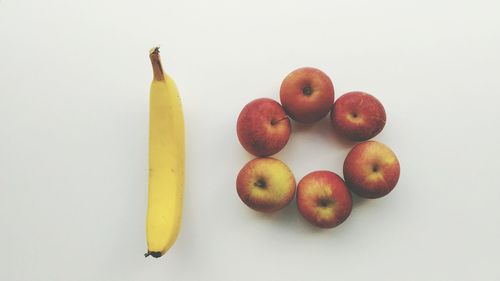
[(284, 216), (358, 201), (288, 218)]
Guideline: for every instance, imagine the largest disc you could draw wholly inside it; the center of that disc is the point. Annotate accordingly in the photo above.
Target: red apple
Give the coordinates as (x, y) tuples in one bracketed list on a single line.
[(307, 94), (358, 116), (265, 184), (323, 199), (263, 128), (371, 169)]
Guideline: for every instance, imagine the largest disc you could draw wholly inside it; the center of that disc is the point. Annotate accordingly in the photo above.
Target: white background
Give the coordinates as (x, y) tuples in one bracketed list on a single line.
[(74, 85)]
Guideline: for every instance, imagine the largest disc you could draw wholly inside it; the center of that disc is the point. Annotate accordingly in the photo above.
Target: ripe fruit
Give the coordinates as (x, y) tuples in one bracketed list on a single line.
[(371, 169), (265, 184), (307, 94), (263, 128), (358, 116), (166, 161), (323, 199)]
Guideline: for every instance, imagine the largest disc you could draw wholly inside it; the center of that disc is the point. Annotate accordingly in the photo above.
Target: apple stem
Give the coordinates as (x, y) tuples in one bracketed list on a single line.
[(274, 122), (154, 56)]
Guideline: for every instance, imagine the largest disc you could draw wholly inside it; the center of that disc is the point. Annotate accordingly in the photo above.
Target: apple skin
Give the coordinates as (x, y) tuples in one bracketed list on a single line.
[(265, 184), (263, 127), (371, 169), (323, 199), (358, 116), (307, 94)]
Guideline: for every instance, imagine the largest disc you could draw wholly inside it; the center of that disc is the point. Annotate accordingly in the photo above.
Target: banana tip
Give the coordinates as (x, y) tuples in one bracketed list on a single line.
[(153, 254)]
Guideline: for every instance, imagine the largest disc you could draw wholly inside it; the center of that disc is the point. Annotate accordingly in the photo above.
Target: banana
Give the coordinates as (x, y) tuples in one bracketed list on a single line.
[(166, 161)]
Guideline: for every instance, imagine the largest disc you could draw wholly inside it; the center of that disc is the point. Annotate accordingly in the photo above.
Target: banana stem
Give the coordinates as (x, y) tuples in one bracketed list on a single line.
[(154, 56)]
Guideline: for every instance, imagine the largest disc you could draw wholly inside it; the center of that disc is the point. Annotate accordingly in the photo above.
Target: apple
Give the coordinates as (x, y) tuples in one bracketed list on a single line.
[(358, 116), (265, 184), (371, 169), (323, 199), (307, 94), (263, 127)]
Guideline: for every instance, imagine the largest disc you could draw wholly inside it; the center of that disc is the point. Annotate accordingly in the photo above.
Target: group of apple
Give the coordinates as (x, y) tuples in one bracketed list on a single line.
[(371, 169)]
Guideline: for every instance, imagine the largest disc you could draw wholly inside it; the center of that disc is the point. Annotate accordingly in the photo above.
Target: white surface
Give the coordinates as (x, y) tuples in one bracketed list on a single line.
[(73, 147)]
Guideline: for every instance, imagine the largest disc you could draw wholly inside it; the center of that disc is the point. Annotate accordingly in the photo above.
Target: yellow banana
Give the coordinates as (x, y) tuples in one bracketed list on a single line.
[(166, 161)]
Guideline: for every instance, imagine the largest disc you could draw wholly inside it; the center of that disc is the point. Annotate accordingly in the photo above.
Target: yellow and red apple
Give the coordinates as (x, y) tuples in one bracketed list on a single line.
[(358, 116), (307, 94), (263, 127), (371, 169), (323, 199), (265, 184)]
